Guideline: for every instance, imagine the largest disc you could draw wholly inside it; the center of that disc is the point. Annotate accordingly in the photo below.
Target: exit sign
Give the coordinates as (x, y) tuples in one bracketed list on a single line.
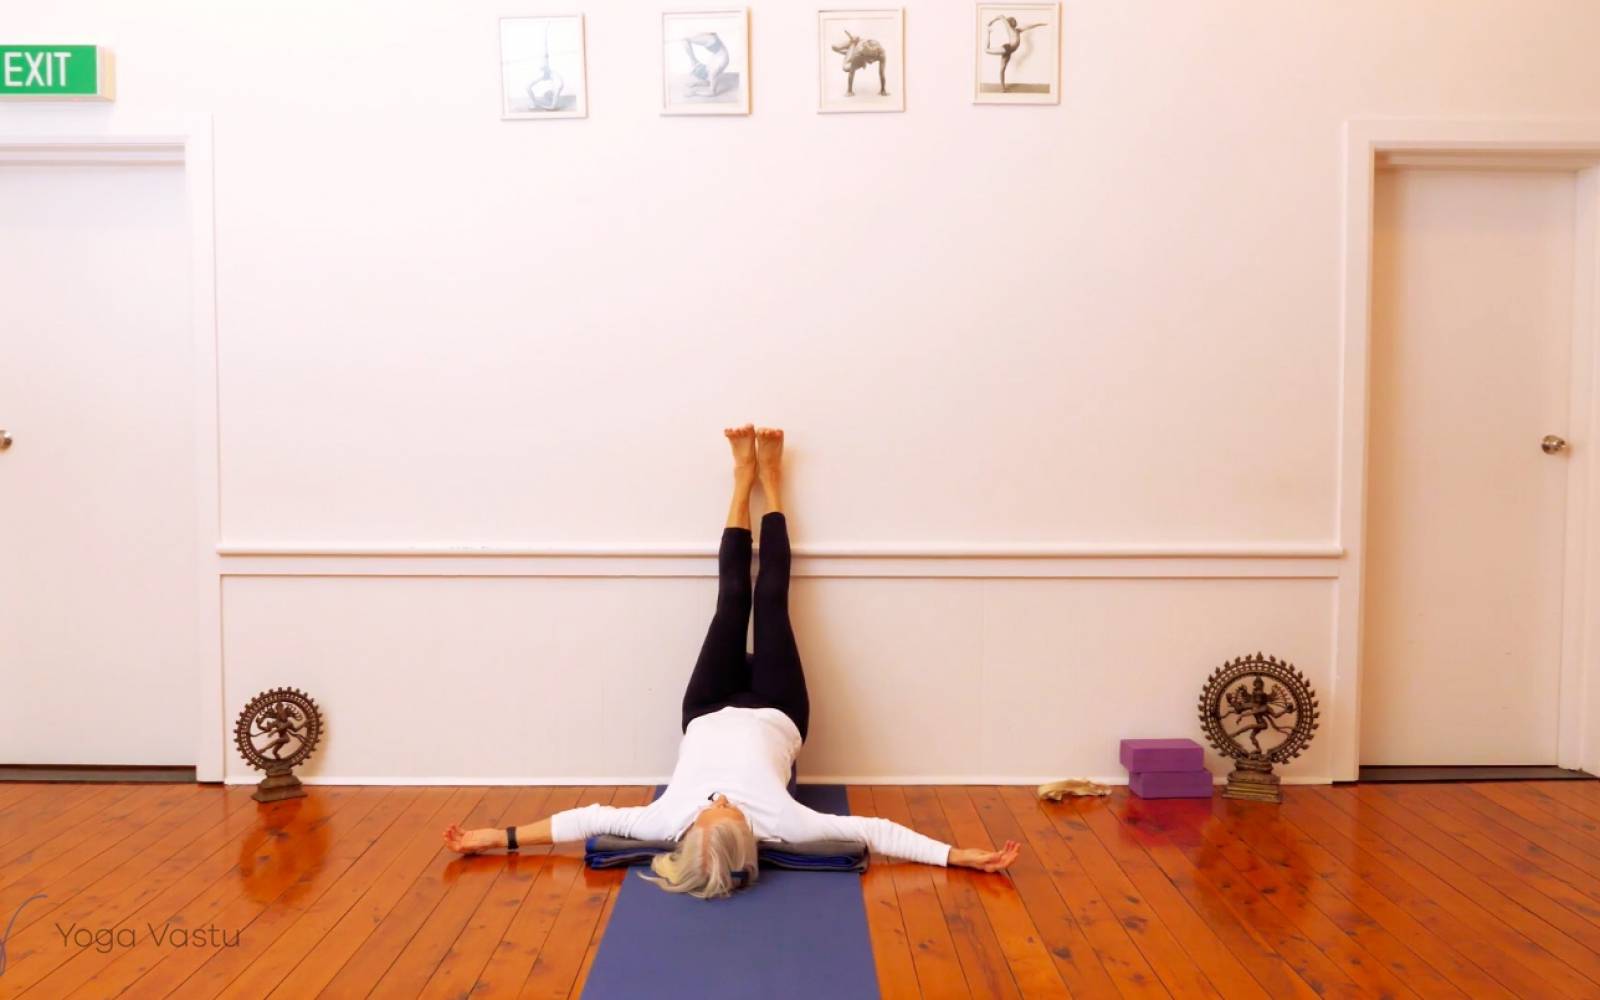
[(56, 72)]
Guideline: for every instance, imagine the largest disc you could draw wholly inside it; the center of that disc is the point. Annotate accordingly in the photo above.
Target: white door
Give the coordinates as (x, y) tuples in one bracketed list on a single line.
[(98, 517), (1471, 332)]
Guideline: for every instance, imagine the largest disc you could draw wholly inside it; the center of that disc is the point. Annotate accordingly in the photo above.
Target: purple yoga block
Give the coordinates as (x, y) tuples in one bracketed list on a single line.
[(1162, 755), (1171, 784)]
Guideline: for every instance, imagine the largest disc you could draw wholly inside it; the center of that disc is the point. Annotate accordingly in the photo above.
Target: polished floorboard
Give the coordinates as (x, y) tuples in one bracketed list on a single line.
[(1459, 890)]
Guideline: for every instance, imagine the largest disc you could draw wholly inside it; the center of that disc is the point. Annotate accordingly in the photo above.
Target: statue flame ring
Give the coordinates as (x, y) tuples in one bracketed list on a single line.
[(1296, 698), (278, 729)]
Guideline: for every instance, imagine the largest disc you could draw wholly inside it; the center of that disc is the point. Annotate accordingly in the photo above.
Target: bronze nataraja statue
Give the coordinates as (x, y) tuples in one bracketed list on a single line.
[(275, 733), (1252, 697)]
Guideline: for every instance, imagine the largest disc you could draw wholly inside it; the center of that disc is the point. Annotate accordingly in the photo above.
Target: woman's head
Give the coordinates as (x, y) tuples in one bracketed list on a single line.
[(715, 857)]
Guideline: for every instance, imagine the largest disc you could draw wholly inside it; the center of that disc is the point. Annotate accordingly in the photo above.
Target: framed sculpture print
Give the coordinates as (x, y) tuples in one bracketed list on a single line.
[(1018, 54), (705, 62), (542, 71), (861, 60)]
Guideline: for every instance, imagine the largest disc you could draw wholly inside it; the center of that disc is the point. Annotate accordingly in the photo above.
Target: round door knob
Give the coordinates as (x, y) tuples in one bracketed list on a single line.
[(1553, 443), (5, 440)]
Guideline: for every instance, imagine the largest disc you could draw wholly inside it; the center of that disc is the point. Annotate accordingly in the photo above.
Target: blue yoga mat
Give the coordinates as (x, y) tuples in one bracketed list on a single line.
[(794, 934)]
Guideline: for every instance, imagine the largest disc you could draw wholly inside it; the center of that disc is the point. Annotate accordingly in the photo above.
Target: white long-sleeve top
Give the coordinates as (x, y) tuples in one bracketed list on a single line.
[(745, 754)]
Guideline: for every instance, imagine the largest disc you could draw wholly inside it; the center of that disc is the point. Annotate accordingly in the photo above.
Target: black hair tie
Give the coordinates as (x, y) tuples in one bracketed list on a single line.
[(511, 838)]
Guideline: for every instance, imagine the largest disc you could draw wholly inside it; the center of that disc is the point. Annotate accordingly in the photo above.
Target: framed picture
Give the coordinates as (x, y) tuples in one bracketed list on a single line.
[(705, 62), (1018, 54), (542, 67), (861, 60)]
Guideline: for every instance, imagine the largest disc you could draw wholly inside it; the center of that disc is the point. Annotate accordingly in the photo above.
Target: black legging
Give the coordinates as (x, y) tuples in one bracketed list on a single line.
[(725, 675)]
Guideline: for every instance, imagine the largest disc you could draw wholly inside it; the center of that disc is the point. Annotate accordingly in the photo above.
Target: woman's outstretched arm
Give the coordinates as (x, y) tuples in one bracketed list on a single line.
[(641, 822), (888, 837), (472, 841)]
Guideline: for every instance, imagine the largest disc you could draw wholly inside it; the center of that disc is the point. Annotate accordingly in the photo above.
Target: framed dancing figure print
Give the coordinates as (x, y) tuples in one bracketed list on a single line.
[(861, 60), (1018, 54), (705, 62), (542, 70)]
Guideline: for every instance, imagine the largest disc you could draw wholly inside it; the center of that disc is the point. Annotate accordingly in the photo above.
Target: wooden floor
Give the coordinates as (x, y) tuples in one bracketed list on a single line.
[(1484, 890)]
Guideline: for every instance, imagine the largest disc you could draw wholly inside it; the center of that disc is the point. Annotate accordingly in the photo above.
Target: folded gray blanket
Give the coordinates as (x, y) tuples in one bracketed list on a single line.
[(821, 855)]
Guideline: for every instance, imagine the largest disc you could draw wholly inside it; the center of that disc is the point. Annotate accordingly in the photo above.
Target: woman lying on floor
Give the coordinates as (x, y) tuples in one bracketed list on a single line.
[(744, 718)]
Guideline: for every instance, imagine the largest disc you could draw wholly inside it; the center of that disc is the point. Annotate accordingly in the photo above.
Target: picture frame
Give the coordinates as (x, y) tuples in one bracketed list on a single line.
[(543, 67), (1017, 54), (705, 62), (861, 62)]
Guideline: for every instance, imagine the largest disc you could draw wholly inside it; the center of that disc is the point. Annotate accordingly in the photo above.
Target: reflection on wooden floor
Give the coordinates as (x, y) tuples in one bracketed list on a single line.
[(195, 891)]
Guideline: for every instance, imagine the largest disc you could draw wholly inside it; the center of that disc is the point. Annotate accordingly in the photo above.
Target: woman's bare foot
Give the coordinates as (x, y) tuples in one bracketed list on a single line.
[(472, 841), (743, 440), (769, 464)]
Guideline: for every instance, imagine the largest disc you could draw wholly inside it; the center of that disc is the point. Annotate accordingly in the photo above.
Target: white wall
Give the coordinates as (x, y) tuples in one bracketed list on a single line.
[(954, 679), (1112, 322)]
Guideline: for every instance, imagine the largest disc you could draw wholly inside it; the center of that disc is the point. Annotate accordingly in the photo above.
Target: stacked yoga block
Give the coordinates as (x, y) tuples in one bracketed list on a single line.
[(1166, 769)]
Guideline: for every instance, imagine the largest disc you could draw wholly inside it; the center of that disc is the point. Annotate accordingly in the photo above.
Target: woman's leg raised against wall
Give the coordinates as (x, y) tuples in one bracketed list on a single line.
[(775, 672), (722, 670)]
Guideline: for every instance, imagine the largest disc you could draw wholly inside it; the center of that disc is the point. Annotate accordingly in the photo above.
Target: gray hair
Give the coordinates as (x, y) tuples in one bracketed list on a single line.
[(710, 862)]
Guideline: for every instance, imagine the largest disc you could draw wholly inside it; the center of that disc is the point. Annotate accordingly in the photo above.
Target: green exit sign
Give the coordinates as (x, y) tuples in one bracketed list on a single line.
[(56, 72)]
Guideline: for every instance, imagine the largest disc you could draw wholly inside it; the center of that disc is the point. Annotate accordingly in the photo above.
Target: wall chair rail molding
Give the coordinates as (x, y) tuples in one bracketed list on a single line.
[(918, 560), (1572, 146)]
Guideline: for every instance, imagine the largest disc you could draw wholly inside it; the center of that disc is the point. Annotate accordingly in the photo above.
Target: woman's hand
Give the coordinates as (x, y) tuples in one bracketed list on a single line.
[(985, 861), (472, 841)]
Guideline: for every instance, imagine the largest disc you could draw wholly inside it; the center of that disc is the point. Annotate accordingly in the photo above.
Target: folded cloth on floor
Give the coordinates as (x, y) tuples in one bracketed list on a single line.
[(815, 856), (1055, 791)]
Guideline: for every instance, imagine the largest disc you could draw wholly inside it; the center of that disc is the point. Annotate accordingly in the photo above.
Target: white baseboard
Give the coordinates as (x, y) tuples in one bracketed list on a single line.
[(1313, 549), (809, 779)]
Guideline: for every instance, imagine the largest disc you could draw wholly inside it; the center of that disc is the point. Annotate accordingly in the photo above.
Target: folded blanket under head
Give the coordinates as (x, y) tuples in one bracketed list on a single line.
[(816, 856)]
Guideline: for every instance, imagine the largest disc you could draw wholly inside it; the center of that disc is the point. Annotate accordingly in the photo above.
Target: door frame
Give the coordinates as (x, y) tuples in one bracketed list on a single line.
[(66, 137), (1370, 144)]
